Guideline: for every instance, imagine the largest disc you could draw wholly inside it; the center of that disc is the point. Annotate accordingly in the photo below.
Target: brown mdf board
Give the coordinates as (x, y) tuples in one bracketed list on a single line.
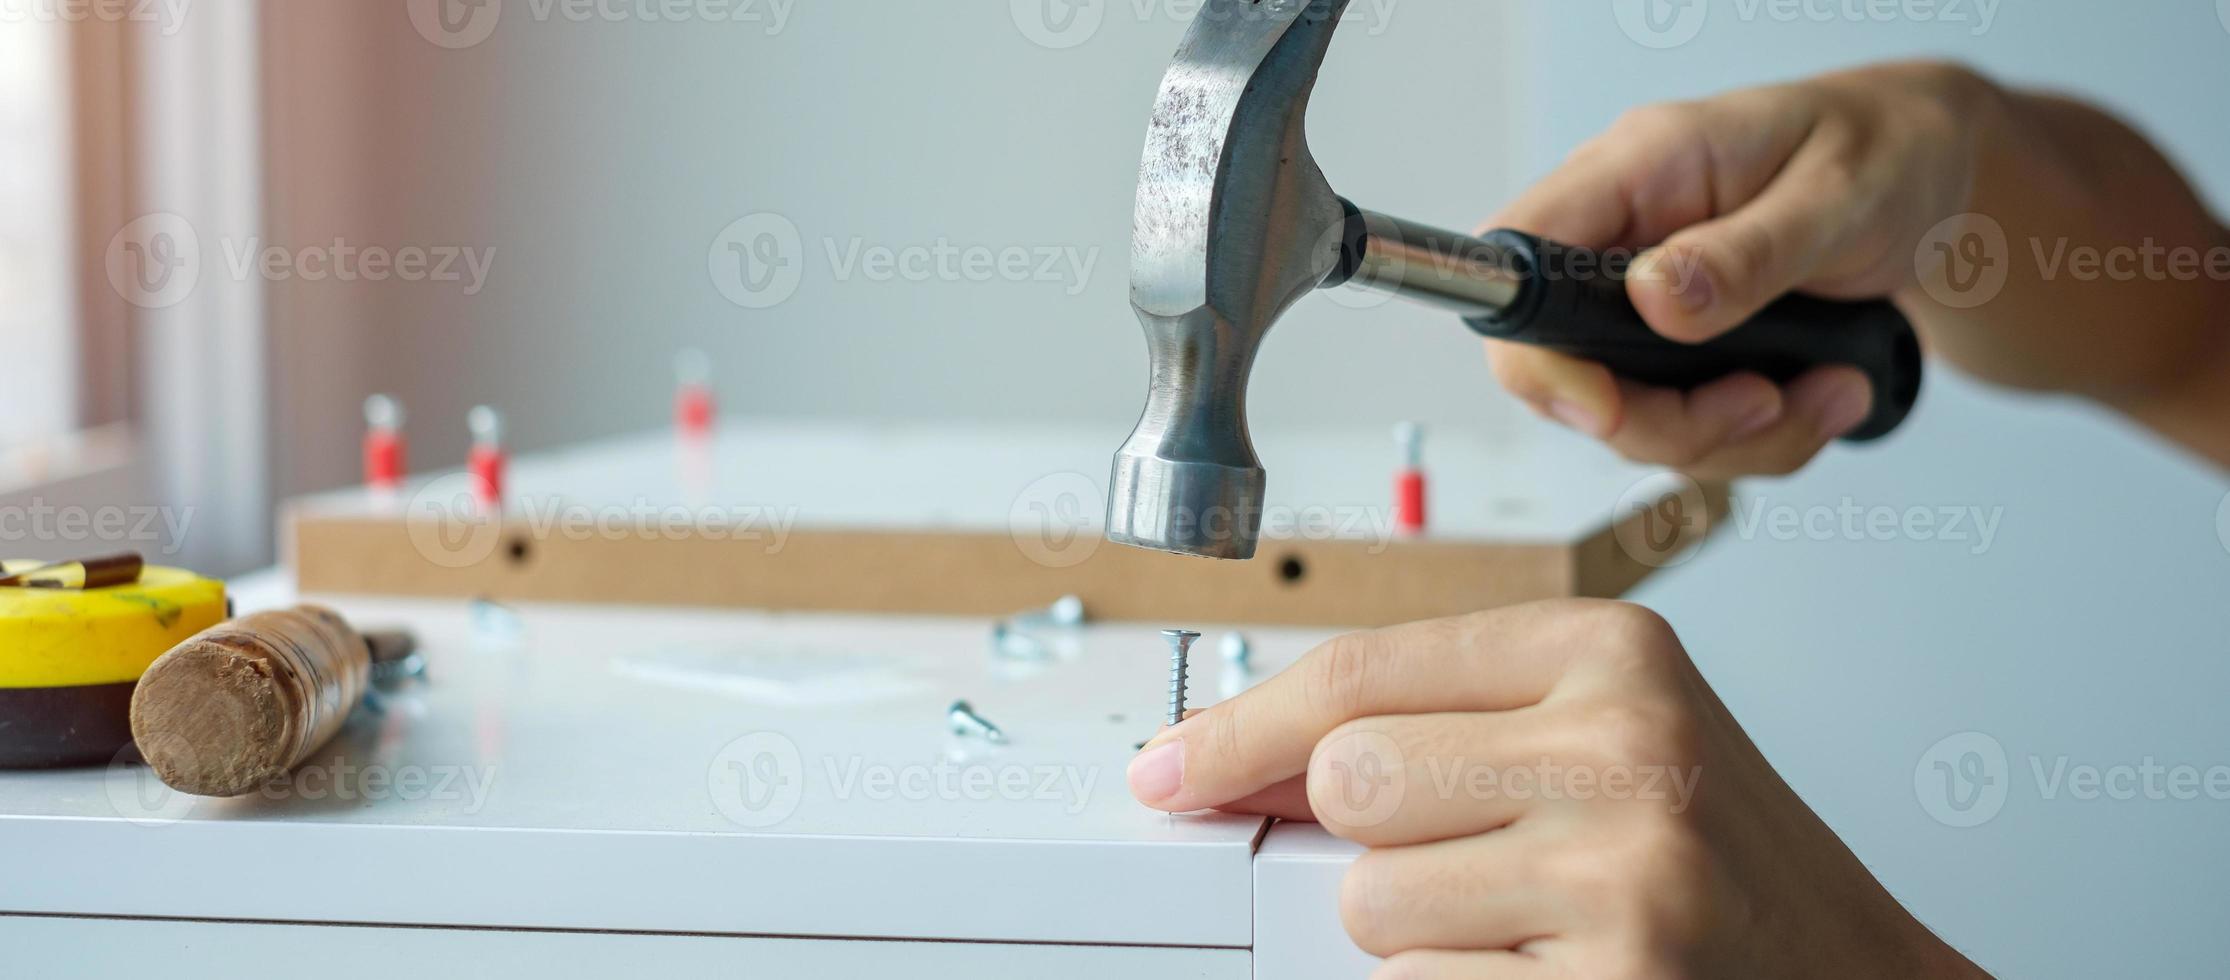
[(986, 522)]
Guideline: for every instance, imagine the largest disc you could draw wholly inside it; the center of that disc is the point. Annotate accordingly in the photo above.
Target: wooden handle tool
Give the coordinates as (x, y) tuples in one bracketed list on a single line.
[(240, 703), (85, 575)]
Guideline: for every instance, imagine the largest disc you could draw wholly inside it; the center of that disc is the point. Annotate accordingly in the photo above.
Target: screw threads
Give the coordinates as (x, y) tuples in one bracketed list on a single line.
[(1180, 647), (1177, 677)]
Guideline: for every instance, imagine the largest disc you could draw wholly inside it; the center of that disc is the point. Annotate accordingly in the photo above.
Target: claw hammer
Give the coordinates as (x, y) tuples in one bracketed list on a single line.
[(1235, 223)]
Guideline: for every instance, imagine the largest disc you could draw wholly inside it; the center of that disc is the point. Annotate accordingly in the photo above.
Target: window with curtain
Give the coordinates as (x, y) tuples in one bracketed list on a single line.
[(38, 330)]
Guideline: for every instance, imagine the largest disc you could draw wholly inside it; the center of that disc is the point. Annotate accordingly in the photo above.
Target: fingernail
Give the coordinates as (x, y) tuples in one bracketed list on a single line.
[(1844, 406), (1694, 291), (1687, 281), (1158, 774), (1758, 421), (1741, 410), (1579, 418)]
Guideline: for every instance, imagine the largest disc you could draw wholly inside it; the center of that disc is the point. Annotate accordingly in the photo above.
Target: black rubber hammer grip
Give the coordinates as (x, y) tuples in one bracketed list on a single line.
[(1569, 303)]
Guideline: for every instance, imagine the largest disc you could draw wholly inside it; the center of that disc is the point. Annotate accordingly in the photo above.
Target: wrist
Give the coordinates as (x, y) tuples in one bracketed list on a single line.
[(1925, 955), (1945, 963), (2190, 404)]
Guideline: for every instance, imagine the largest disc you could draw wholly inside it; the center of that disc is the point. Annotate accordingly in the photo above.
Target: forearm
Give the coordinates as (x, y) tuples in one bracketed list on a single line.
[(2117, 279)]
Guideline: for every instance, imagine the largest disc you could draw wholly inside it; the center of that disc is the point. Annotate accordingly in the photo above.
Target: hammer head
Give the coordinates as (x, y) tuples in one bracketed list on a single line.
[(1234, 224)]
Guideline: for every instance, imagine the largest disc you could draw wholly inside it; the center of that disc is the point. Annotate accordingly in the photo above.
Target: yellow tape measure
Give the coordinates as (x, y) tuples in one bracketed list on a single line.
[(55, 638)]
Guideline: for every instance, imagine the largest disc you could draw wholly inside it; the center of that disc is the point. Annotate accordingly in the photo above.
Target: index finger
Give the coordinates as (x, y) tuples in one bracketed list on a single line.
[(1493, 661)]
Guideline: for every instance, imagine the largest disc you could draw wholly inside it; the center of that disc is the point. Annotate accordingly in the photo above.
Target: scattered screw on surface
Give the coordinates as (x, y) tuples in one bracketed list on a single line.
[(1180, 646), (1015, 644), (1237, 650), (1066, 612), (388, 673), (492, 620), (965, 721)]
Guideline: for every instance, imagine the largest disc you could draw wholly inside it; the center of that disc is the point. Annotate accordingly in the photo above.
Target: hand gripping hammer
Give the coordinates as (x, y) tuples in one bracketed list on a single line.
[(1235, 223)]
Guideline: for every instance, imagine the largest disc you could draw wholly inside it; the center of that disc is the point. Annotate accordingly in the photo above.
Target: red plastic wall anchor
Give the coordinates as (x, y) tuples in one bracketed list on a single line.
[(694, 409), (486, 464), (383, 459), (1409, 502)]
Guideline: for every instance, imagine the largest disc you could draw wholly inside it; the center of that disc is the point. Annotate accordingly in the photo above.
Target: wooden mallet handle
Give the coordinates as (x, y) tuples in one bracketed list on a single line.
[(240, 703)]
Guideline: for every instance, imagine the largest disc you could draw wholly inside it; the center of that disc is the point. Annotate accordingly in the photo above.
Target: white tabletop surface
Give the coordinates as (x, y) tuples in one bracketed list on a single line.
[(2090, 627), (579, 768)]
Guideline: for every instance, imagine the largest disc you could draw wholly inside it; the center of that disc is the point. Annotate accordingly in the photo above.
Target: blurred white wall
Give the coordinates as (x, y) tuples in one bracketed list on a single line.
[(35, 298), (601, 160)]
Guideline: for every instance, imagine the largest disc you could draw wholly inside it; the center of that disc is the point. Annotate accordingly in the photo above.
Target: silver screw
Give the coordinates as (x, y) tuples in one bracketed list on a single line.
[(965, 721), (1180, 645), (1011, 639), (1065, 611), (1015, 644), (1237, 651), (393, 672)]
